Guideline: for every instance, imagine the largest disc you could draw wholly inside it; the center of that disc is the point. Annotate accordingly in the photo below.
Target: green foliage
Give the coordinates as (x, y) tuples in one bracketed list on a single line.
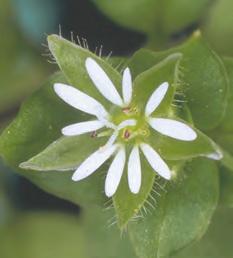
[(198, 95), (38, 124), (202, 76), (40, 235), (164, 220), (217, 26), (71, 60), (217, 242), (181, 215), (161, 17), (21, 67), (223, 135)]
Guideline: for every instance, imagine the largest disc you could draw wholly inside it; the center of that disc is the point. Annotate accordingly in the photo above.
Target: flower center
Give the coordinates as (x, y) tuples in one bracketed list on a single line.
[(130, 124), (126, 134)]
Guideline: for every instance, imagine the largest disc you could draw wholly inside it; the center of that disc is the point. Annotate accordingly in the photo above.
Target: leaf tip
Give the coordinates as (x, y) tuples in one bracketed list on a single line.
[(197, 34), (53, 42), (24, 165), (29, 165)]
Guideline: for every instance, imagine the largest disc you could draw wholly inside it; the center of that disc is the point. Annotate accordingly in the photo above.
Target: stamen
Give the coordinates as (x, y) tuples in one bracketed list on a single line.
[(127, 134), (126, 110), (94, 134)]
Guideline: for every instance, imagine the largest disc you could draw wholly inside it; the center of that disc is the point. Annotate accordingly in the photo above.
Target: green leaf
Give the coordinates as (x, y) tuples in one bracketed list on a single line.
[(205, 83), (180, 216), (202, 76), (217, 27), (173, 149), (159, 17), (168, 69), (39, 124), (128, 13), (65, 153), (226, 183), (146, 82), (217, 242), (71, 60), (180, 14), (127, 204), (227, 123)]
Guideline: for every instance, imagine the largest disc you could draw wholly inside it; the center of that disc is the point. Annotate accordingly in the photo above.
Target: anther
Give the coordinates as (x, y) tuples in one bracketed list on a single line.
[(127, 134), (126, 110), (94, 134)]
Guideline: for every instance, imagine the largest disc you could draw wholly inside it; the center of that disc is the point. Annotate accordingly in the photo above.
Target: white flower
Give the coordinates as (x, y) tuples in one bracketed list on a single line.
[(116, 145)]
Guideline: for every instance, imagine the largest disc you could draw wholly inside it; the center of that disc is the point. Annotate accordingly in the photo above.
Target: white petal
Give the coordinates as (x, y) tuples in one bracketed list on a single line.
[(111, 140), (81, 128), (115, 172), (79, 100), (125, 123), (156, 161), (134, 171), (173, 128), (93, 162), (156, 98), (215, 155), (102, 82), (127, 86)]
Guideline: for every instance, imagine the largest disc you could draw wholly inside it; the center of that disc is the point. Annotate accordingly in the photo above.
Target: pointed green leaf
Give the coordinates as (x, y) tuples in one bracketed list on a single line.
[(146, 83), (127, 204), (71, 60), (37, 125), (167, 70), (202, 76), (173, 149), (65, 153), (169, 148), (181, 216)]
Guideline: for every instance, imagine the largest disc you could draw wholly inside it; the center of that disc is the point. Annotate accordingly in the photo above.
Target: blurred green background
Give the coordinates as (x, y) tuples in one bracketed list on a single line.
[(36, 224)]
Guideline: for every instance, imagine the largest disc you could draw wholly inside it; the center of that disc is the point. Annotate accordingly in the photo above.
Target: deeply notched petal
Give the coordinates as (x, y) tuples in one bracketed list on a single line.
[(173, 128), (83, 127), (79, 100), (93, 162), (134, 170), (102, 82), (127, 86), (115, 172), (156, 162), (156, 98)]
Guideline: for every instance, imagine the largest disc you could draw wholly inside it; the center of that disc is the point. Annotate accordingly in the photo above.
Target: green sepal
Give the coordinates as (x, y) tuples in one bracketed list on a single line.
[(71, 59), (202, 76), (66, 153)]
